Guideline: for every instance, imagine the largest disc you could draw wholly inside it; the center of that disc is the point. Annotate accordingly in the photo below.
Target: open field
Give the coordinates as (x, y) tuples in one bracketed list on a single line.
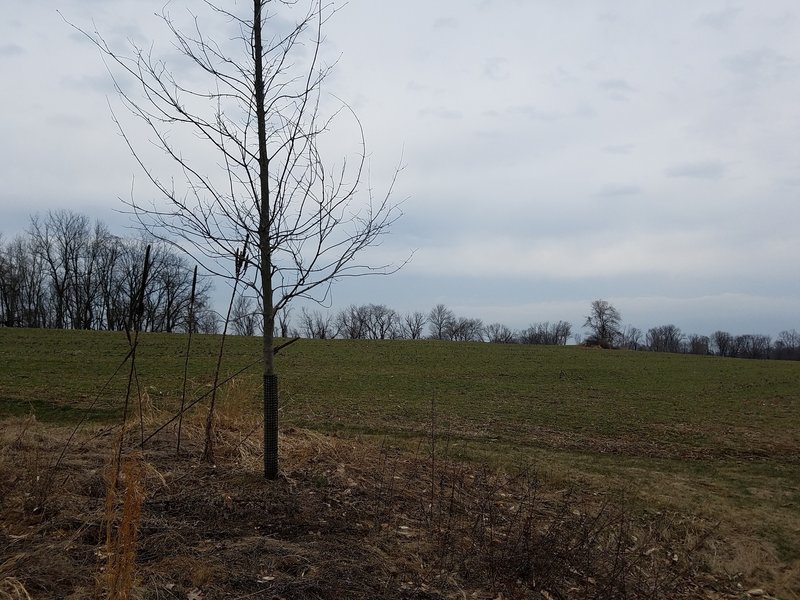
[(706, 439)]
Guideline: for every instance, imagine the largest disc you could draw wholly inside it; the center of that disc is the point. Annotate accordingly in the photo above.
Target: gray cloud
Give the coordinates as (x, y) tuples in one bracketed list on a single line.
[(615, 85), (70, 121), (440, 112), (721, 19), (613, 190), (759, 66), (445, 23), (102, 84), (698, 170), (619, 148), (496, 68), (616, 89), (11, 50), (535, 113), (514, 148)]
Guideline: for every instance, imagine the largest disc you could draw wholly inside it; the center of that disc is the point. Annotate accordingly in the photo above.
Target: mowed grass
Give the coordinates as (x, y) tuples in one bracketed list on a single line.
[(717, 439)]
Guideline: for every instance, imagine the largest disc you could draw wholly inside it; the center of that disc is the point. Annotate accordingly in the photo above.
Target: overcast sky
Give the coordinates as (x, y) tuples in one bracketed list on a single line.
[(647, 153)]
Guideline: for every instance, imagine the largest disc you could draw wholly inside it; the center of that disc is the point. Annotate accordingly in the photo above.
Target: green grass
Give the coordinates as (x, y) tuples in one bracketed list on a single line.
[(701, 435)]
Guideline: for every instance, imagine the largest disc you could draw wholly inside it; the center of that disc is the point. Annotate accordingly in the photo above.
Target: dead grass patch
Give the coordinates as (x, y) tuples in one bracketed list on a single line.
[(346, 519)]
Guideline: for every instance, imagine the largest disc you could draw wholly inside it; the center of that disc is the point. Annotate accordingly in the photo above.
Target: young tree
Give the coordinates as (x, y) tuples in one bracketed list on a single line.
[(298, 221), (604, 321)]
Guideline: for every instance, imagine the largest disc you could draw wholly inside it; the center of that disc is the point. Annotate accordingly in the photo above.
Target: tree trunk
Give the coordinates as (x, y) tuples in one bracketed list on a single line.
[(265, 262)]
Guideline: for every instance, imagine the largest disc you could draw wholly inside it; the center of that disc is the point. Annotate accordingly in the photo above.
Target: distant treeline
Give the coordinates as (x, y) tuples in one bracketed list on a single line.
[(669, 338), (377, 321), (70, 273), (67, 272)]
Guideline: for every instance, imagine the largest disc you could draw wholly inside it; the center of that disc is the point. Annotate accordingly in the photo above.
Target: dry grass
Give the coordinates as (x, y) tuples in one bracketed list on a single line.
[(121, 519), (12, 589), (346, 519)]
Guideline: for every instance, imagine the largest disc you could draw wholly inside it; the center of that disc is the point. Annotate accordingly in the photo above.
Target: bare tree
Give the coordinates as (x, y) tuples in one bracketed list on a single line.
[(413, 325), (206, 320), (699, 344), (752, 346), (382, 322), (465, 329), (440, 320), (351, 322), (497, 333), (787, 346), (630, 338), (665, 338), (604, 322), (243, 316), (723, 342), (316, 324), (257, 102), (546, 334), (58, 239), (284, 321)]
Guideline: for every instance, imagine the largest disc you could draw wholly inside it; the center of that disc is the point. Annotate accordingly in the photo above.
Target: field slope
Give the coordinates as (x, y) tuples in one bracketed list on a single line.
[(703, 437)]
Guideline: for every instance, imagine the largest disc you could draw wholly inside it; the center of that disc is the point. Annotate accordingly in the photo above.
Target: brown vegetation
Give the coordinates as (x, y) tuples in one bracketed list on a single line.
[(347, 519)]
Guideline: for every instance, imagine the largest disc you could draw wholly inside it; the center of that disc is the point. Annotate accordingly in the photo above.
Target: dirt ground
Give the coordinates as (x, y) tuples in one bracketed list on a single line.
[(346, 519)]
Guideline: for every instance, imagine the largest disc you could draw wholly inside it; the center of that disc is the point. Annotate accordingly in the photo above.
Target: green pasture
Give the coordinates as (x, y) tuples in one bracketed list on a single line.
[(707, 436)]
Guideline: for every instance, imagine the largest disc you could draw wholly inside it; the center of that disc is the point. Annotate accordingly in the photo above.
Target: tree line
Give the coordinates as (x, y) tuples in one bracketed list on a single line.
[(67, 272), (380, 322), (604, 322)]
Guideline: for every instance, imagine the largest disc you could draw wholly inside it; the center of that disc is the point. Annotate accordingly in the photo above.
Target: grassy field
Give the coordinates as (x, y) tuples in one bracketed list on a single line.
[(703, 437)]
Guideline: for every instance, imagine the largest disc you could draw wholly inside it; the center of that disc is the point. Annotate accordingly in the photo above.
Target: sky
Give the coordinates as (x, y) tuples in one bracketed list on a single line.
[(553, 152)]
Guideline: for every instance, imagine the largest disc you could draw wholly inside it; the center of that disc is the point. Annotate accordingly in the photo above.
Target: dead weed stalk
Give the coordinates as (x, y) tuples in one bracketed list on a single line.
[(125, 494)]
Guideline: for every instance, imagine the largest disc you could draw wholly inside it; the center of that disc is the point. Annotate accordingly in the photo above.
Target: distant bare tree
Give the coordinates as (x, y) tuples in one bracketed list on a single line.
[(23, 294), (699, 344), (631, 338), (316, 324), (604, 322), (440, 320), (752, 346), (465, 329), (497, 333), (351, 322), (665, 338), (206, 320), (283, 317), (382, 321), (790, 338), (413, 325), (244, 318), (787, 346), (722, 341), (546, 334), (57, 239)]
